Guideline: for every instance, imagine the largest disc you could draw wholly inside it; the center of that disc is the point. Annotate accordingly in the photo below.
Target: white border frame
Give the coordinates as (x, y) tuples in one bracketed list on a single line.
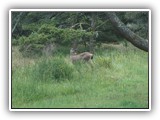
[(85, 10)]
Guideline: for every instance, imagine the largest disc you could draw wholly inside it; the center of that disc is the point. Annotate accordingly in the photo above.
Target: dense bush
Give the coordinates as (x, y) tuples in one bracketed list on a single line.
[(54, 69), (35, 43)]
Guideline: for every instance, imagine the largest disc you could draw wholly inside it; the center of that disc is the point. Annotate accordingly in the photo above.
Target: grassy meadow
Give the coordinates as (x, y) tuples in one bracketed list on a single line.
[(116, 78)]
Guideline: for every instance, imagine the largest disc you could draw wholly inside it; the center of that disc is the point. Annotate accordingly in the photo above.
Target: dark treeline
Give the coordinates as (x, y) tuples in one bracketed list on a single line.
[(36, 32)]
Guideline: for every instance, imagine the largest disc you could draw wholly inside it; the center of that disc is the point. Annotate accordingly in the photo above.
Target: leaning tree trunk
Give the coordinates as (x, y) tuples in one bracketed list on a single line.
[(130, 36), (17, 21)]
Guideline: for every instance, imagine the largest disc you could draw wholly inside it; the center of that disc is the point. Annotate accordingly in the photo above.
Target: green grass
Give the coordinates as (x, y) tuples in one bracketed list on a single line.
[(117, 78)]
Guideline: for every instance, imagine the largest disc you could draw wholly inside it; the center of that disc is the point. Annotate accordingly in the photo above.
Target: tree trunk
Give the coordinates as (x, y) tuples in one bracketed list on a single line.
[(130, 36), (17, 21), (92, 38)]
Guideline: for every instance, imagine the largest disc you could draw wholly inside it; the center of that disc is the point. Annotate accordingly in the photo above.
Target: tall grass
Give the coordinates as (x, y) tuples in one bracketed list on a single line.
[(117, 78), (53, 69)]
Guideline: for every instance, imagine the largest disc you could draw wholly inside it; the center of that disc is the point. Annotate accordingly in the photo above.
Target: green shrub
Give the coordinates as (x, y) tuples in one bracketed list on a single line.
[(54, 69), (32, 50), (33, 44)]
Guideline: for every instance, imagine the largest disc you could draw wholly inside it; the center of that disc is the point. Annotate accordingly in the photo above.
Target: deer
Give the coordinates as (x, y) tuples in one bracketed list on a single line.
[(85, 56)]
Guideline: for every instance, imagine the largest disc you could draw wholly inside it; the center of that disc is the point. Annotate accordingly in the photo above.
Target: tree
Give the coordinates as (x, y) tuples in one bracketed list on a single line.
[(17, 20), (130, 36), (34, 31)]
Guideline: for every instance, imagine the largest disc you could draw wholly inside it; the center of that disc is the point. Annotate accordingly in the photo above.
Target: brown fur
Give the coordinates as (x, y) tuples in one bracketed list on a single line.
[(85, 56)]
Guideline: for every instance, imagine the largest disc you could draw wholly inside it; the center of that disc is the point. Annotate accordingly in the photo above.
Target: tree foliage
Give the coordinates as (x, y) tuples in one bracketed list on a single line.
[(127, 33), (33, 31)]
